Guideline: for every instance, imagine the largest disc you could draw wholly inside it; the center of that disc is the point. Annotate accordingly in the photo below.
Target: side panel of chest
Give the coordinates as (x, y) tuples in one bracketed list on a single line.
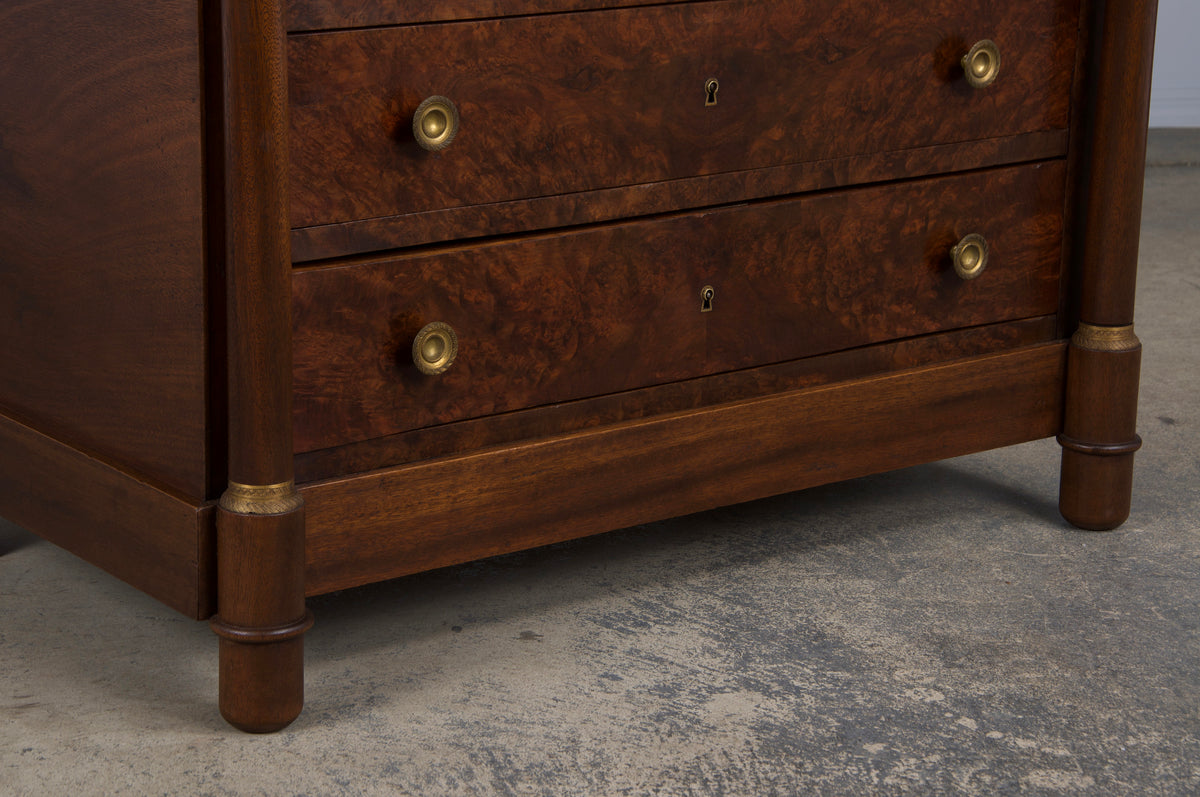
[(102, 237)]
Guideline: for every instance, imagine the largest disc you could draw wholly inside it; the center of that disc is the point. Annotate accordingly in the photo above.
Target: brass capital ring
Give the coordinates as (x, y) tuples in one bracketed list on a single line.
[(261, 499), (1098, 338)]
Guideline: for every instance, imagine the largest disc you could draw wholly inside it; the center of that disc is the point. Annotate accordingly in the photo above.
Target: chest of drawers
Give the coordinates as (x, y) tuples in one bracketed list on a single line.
[(302, 296)]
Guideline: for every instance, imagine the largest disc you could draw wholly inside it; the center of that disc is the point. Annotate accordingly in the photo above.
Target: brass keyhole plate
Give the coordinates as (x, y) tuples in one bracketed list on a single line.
[(711, 87), (706, 299)]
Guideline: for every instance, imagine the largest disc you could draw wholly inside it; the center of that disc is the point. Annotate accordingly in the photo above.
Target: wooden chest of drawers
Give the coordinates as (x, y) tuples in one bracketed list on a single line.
[(302, 296)]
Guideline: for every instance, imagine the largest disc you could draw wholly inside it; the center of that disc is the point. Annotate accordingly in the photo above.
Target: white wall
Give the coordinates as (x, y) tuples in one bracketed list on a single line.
[(1175, 92)]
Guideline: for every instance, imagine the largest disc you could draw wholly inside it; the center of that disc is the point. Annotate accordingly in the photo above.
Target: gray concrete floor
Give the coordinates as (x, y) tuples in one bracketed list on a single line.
[(937, 629)]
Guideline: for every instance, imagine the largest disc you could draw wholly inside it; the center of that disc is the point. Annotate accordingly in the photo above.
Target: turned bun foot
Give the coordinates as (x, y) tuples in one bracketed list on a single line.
[(1095, 491), (262, 684)]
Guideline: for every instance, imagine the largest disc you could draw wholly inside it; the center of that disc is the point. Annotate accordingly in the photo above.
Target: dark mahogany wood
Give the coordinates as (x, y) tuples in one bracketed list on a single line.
[(301, 15), (607, 309), (261, 619), (260, 526), (854, 267), (427, 515), (257, 257), (557, 419), (1118, 115), (579, 102), (475, 221), (1099, 435), (1099, 438), (102, 282), (1077, 168), (142, 534)]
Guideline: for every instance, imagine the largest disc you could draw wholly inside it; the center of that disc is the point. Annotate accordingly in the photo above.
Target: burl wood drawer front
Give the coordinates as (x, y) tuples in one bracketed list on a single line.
[(549, 318), (300, 15), (574, 102)]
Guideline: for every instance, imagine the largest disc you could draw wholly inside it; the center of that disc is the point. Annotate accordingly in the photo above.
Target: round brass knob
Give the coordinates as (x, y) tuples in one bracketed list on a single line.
[(970, 256), (434, 348), (981, 64), (435, 123)]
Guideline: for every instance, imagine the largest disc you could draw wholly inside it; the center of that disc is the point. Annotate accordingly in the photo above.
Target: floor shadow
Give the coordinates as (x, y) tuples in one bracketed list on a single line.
[(14, 538)]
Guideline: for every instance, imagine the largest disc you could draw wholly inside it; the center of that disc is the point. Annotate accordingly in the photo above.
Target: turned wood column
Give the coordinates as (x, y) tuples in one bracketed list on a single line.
[(1099, 434), (261, 617)]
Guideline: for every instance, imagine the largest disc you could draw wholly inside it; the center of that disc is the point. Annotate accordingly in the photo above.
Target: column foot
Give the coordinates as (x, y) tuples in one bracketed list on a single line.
[(261, 618), (1099, 437)]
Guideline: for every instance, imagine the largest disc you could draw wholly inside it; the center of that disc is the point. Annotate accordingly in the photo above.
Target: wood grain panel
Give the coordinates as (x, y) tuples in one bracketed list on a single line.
[(862, 266), (394, 232), (301, 15), (689, 394), (419, 517), (538, 320), (142, 535), (577, 102), (1112, 205), (606, 309), (102, 289)]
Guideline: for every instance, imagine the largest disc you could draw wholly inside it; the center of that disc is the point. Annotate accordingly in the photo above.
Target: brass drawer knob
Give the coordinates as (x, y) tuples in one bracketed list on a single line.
[(435, 124), (434, 348), (981, 64), (970, 256)]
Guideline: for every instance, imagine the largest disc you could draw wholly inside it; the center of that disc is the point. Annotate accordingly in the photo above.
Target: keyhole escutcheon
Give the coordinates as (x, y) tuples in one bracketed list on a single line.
[(706, 299), (711, 87)]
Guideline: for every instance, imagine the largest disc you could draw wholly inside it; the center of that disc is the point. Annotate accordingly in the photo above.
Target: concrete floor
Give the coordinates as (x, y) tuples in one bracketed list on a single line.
[(937, 629)]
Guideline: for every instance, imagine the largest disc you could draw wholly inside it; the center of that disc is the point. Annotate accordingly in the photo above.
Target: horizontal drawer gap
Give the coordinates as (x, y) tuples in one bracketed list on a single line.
[(335, 261), (298, 28), (363, 240)]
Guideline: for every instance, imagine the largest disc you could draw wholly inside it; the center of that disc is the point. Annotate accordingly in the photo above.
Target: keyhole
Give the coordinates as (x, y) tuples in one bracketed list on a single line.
[(710, 91), (706, 299)]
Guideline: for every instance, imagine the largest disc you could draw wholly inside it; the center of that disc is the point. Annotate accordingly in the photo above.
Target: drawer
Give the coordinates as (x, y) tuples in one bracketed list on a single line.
[(574, 102), (302, 15), (550, 318)]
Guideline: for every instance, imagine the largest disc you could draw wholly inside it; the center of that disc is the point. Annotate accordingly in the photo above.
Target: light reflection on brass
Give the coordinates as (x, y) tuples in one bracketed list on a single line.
[(970, 256), (435, 124), (981, 64), (434, 348)]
